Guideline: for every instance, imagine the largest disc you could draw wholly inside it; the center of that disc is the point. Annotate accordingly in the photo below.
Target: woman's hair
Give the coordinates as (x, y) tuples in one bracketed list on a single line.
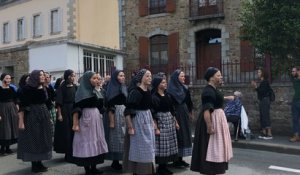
[(264, 73), (57, 83)]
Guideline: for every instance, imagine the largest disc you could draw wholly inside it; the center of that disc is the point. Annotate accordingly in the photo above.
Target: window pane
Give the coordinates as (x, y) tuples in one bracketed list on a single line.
[(155, 58), (54, 21), (164, 57), (212, 2), (5, 32), (20, 29), (98, 62), (36, 25), (159, 50), (157, 6), (202, 3)]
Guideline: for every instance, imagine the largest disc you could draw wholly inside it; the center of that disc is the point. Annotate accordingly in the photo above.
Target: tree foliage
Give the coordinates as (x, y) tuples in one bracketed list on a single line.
[(272, 26)]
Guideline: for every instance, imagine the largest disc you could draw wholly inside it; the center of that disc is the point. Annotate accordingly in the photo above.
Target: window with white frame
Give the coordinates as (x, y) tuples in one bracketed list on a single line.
[(98, 62), (20, 29), (54, 19), (6, 32), (37, 25)]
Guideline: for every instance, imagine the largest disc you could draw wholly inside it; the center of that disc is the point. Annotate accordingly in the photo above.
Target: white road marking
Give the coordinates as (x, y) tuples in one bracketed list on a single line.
[(284, 169)]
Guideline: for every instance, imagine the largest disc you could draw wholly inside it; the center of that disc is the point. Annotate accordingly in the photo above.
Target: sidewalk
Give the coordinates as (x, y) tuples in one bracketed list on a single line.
[(279, 144)]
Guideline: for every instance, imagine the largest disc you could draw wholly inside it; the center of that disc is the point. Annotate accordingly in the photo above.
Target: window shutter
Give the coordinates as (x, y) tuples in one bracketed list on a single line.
[(9, 32), (1, 34), (49, 23), (144, 51), (16, 29), (143, 7), (247, 56), (60, 20), (171, 6), (31, 27), (24, 28), (41, 25), (173, 51)]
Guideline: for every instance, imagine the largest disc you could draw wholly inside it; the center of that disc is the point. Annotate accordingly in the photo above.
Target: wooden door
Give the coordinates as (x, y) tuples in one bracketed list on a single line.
[(208, 55)]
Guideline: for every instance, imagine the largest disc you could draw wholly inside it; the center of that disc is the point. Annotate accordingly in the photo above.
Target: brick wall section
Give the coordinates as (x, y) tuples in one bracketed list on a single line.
[(178, 21), (167, 23), (18, 58), (280, 109)]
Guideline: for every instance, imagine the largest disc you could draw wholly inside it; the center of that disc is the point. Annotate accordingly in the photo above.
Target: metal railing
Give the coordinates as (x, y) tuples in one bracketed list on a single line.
[(233, 72), (206, 9)]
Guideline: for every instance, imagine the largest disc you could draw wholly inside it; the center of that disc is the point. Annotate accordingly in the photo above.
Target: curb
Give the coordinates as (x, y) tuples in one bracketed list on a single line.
[(273, 147)]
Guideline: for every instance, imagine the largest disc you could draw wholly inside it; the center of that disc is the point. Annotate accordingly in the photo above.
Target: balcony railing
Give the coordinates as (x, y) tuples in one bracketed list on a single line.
[(204, 9)]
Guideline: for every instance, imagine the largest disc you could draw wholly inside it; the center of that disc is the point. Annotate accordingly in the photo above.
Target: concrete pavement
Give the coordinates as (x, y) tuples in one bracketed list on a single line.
[(279, 144), (9, 165)]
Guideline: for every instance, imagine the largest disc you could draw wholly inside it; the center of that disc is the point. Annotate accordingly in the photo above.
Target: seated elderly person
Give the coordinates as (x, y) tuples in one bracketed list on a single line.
[(233, 111)]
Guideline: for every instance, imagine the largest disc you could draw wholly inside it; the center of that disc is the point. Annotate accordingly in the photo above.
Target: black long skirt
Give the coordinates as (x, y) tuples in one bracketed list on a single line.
[(199, 163), (63, 135), (8, 123), (35, 141), (184, 133)]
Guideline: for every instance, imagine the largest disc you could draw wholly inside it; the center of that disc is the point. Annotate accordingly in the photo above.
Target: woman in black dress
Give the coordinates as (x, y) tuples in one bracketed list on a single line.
[(65, 97), (163, 112), (8, 115), (212, 144), (116, 95), (184, 110), (35, 139)]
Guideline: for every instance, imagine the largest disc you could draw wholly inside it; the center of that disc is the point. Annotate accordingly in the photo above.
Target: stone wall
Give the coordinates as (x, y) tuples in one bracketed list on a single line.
[(16, 58), (165, 23), (281, 121)]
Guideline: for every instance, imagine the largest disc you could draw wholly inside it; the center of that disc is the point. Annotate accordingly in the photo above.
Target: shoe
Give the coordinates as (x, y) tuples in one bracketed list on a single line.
[(262, 136), (167, 171), (183, 163), (177, 164), (95, 171), (2, 152), (295, 138), (268, 137), (116, 166), (160, 171), (180, 163), (42, 167), (37, 167), (9, 151)]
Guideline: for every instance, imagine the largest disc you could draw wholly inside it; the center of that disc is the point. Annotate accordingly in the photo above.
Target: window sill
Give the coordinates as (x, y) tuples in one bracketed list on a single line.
[(157, 15), (55, 33), (22, 39), (37, 36), (6, 42)]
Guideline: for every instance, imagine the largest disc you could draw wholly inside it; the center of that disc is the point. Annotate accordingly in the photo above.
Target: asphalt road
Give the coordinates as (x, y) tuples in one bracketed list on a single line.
[(245, 162)]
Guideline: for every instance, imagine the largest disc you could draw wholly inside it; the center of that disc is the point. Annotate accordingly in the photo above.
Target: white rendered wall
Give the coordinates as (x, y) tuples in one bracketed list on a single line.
[(50, 58)]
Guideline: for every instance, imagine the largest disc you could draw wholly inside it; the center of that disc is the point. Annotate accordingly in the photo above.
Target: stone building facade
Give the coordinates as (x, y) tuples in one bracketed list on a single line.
[(166, 34), (59, 34), (186, 30)]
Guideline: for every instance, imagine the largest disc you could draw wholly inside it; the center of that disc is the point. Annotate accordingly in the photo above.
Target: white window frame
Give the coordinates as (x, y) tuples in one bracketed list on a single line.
[(21, 32), (37, 25), (6, 32), (55, 27), (54, 21), (98, 62)]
